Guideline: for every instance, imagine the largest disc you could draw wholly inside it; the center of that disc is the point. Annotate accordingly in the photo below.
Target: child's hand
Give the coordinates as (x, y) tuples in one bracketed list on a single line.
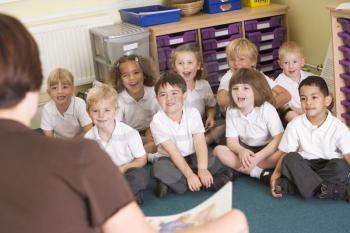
[(245, 157), (275, 175), (194, 184), (205, 177), (209, 123)]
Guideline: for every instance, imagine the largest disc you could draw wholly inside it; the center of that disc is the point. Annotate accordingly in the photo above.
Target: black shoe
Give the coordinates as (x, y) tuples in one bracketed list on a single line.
[(161, 189), (333, 191), (139, 197), (265, 176), (219, 181), (232, 174), (281, 186)]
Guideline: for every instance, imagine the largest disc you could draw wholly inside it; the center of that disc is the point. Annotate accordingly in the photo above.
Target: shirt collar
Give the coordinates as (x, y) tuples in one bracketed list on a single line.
[(70, 110), (129, 99), (325, 125)]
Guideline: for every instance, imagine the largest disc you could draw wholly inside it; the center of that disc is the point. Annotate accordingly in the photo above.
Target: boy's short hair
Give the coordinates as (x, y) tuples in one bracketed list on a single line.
[(255, 79), (317, 82), (101, 92), (172, 79), (60, 75), (289, 47), (242, 48)]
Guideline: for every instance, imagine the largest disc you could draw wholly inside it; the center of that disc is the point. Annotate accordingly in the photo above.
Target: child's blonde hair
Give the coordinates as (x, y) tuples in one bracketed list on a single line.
[(289, 47), (255, 79), (242, 48), (146, 65), (192, 48), (101, 92), (60, 75)]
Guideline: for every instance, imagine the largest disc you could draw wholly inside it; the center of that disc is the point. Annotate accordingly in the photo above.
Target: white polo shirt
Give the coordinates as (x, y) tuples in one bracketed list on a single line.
[(137, 114), (225, 81), (164, 129), (255, 129), (124, 146), (70, 124), (200, 97), (292, 86), (329, 141)]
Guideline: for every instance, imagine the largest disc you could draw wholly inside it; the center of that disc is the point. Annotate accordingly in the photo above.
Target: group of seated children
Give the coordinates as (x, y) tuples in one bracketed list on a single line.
[(175, 117)]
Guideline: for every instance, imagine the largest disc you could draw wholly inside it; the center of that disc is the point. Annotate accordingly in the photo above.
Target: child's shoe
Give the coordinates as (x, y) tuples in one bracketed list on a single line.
[(283, 186), (333, 191), (231, 174), (219, 181), (265, 176), (161, 189)]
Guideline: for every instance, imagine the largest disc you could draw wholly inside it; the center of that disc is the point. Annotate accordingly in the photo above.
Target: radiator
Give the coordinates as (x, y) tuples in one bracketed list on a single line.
[(67, 45)]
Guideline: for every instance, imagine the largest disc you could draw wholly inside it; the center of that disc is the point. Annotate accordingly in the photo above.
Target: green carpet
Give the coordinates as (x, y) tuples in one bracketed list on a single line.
[(265, 213)]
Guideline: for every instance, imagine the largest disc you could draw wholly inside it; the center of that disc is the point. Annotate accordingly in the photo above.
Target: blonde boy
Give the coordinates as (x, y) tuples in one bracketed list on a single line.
[(121, 142), (291, 60), (241, 53), (178, 132), (65, 115)]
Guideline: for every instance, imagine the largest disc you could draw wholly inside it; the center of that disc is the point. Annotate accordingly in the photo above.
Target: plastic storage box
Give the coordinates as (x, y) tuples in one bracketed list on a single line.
[(346, 116), (346, 65), (255, 3), (268, 56), (150, 15), (268, 67), (346, 51), (346, 38), (213, 55), (215, 66), (222, 30), (271, 22), (108, 43), (274, 44), (346, 104), (215, 44), (258, 36), (346, 91), (345, 23), (346, 78), (217, 6), (177, 38)]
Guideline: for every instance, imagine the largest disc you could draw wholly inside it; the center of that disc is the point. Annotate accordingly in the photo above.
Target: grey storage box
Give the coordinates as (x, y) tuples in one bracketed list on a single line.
[(111, 42)]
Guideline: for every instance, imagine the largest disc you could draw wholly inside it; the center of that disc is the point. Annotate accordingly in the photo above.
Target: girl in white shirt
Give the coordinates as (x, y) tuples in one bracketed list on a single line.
[(186, 60), (253, 127), (133, 77)]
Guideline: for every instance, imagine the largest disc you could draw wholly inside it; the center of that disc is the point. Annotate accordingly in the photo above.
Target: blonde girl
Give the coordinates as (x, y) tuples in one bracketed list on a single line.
[(133, 77), (186, 60), (253, 127)]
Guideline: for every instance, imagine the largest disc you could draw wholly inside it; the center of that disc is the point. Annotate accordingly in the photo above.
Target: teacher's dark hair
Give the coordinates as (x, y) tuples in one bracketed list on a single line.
[(20, 67)]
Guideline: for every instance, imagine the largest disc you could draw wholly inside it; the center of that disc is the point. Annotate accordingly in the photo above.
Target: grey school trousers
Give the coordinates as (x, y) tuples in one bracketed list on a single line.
[(307, 175), (164, 170), (137, 178)]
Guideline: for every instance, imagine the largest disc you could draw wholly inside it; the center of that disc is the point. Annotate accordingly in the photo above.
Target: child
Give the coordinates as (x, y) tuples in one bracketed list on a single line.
[(65, 115), (315, 149), (291, 60), (186, 60), (241, 53), (253, 127), (133, 78), (120, 141), (179, 134)]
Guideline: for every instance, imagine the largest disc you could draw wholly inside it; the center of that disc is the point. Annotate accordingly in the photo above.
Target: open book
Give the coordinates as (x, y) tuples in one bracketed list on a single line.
[(215, 206)]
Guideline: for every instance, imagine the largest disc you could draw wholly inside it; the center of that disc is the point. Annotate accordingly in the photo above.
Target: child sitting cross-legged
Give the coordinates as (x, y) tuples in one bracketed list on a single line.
[(178, 132), (65, 115), (121, 142), (315, 149), (253, 127)]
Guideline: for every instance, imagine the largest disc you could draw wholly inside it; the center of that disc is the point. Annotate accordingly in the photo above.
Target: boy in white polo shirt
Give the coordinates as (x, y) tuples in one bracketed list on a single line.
[(178, 132), (65, 115), (315, 149), (121, 142)]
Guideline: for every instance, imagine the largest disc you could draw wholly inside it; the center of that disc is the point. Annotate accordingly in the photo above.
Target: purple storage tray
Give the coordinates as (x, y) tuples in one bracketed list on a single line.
[(178, 38), (268, 67), (273, 74), (346, 116), (277, 33), (268, 45), (346, 51), (215, 66), (253, 25), (213, 55), (213, 32), (346, 91), (164, 53), (346, 65), (215, 77), (345, 23), (346, 38), (346, 104), (268, 56), (346, 78), (215, 87), (215, 44)]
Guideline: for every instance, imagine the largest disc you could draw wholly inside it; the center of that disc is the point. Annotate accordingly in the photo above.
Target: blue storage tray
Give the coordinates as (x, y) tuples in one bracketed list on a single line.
[(150, 15), (217, 6)]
